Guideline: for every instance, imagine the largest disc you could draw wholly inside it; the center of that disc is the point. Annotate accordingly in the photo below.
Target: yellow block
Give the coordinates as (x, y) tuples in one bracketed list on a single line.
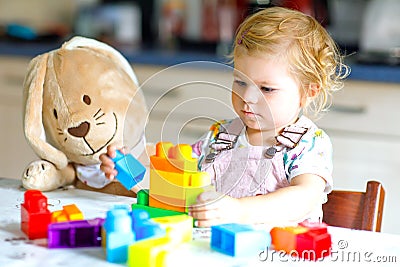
[(74, 214), (159, 185), (172, 184), (179, 228), (149, 252), (58, 216), (68, 213)]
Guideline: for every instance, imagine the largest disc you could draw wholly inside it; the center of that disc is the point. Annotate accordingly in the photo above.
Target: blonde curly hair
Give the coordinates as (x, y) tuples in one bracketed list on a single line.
[(312, 55)]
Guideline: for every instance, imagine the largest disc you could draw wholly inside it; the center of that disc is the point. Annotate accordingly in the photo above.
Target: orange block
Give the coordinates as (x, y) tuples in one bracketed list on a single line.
[(68, 213), (171, 158), (167, 203), (73, 212), (59, 216), (285, 238)]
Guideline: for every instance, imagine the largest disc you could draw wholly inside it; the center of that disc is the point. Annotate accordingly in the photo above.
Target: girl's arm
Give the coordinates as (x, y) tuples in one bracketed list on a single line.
[(287, 205)]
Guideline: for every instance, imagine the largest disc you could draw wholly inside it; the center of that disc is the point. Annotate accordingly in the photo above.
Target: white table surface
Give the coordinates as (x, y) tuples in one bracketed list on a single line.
[(350, 247)]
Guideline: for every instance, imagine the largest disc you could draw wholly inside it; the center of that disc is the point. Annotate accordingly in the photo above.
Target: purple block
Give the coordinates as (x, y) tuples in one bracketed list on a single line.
[(72, 234)]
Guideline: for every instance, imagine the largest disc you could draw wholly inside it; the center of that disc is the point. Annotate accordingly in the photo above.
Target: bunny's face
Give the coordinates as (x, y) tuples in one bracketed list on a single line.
[(86, 98)]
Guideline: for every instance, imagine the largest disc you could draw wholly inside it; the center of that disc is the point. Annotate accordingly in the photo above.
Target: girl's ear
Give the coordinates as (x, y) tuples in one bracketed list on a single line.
[(310, 92), (313, 89)]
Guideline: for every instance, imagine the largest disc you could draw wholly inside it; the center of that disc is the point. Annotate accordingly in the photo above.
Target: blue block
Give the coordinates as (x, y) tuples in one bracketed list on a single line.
[(144, 227), (130, 170), (239, 240), (118, 234)]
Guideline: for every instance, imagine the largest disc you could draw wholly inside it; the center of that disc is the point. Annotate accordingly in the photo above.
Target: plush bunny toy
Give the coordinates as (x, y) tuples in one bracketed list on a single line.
[(79, 99)]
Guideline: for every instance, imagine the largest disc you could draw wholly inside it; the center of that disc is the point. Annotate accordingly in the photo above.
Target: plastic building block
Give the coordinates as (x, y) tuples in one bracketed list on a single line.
[(192, 193), (144, 227), (161, 186), (155, 212), (171, 158), (285, 238), (68, 213), (239, 240), (175, 182), (117, 234), (143, 197), (150, 252), (130, 170), (307, 240), (35, 217), (179, 228), (168, 203), (59, 216), (73, 212), (72, 234), (315, 243)]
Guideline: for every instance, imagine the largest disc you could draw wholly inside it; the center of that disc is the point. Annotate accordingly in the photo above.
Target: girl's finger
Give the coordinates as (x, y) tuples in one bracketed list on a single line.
[(205, 215), (106, 160), (110, 173), (207, 223), (124, 150), (111, 151), (208, 196)]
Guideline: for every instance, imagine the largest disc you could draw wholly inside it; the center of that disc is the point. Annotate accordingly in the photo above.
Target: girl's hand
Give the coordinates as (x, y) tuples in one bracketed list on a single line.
[(214, 208), (107, 164)]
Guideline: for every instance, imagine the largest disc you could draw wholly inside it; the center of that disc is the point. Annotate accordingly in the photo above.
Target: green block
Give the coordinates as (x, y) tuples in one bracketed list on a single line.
[(143, 197), (156, 212)]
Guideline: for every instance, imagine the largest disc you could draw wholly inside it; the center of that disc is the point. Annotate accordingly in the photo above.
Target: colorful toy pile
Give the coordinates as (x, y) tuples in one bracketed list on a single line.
[(127, 236), (158, 223), (134, 238), (175, 181)]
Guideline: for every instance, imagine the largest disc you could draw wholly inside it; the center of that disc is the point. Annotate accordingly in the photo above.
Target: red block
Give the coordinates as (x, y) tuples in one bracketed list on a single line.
[(35, 217), (315, 243)]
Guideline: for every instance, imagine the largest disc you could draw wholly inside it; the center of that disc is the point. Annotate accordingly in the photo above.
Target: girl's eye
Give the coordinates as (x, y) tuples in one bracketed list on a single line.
[(267, 89), (240, 83)]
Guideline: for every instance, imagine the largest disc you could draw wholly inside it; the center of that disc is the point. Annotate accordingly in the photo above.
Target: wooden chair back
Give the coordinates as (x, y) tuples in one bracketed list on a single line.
[(356, 210)]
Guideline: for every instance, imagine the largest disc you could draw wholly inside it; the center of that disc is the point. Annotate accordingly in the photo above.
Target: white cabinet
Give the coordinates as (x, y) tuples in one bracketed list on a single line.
[(363, 124), (184, 101), (15, 151), (366, 108)]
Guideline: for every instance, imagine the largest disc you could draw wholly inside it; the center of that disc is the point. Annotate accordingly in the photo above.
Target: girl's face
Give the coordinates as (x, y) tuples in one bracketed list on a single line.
[(264, 95)]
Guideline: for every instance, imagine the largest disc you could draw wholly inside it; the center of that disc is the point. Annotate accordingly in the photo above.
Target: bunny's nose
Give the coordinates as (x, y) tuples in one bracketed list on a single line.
[(81, 130)]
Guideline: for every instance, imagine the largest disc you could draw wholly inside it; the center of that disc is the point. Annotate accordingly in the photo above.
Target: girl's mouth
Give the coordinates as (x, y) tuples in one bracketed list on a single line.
[(248, 113)]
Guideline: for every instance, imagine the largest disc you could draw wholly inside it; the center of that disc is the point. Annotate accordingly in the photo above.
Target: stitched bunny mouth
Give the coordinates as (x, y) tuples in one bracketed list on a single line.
[(106, 144)]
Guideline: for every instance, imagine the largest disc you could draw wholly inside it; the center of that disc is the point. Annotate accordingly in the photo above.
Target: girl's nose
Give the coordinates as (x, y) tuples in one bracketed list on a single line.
[(251, 94)]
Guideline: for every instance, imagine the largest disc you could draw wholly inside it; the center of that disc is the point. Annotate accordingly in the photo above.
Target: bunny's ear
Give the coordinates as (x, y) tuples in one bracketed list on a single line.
[(79, 41), (33, 124)]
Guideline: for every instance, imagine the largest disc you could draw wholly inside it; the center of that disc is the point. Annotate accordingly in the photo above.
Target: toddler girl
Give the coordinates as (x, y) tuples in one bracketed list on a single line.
[(272, 164)]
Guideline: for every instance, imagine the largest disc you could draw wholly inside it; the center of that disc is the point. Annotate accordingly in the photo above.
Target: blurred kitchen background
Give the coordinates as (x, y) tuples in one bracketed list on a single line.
[(368, 30), (154, 34)]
